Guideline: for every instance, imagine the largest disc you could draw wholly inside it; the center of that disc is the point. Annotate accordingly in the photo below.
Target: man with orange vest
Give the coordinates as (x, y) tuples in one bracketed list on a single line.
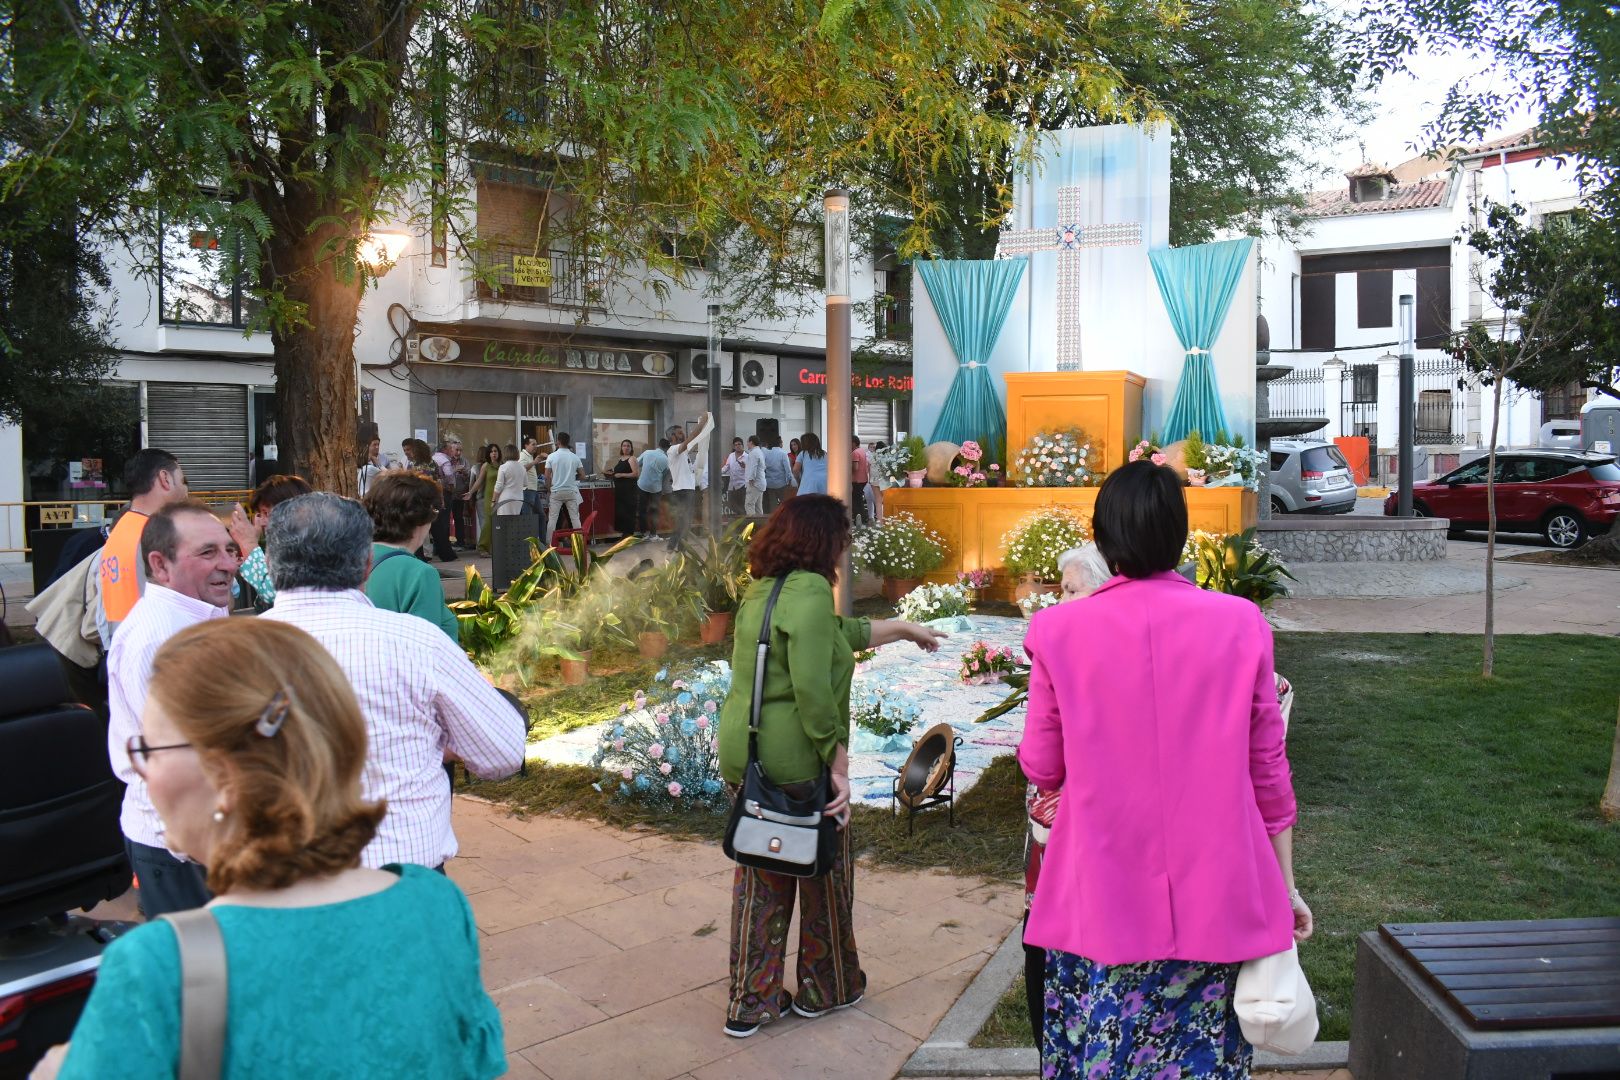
[(155, 480)]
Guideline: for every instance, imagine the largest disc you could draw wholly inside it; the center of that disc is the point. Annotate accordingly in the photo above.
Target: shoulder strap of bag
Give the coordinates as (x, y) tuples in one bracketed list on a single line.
[(385, 556), (760, 654), (203, 993)]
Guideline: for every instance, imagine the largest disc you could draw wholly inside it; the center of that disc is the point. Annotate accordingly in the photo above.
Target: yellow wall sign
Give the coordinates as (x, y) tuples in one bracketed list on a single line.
[(56, 515), (532, 271)]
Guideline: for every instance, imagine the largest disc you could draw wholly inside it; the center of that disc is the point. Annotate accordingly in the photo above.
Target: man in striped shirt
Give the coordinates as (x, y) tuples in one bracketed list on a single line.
[(421, 697), (190, 563)]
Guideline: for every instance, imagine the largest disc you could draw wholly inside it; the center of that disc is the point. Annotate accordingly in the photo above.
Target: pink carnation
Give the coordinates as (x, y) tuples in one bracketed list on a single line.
[(1135, 455), (627, 772), (618, 744), (961, 470), (971, 451), (702, 721), (710, 706), (994, 467), (662, 718), (655, 751), (674, 790), (666, 768), (1158, 459)]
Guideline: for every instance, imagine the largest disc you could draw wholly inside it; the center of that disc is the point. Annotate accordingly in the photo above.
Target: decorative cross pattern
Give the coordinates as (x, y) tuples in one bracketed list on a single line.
[(1068, 240)]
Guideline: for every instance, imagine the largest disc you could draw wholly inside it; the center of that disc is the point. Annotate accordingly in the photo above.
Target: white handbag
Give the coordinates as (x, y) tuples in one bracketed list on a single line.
[(1274, 1003)]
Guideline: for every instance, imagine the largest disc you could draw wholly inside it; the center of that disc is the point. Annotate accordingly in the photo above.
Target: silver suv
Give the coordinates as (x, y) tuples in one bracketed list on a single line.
[(1310, 478)]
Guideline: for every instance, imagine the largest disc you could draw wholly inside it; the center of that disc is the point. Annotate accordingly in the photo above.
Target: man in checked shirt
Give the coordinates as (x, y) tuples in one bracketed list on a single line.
[(420, 694)]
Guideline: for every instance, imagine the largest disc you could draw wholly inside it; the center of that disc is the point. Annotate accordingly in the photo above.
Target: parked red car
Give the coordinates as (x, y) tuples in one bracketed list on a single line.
[(1566, 495)]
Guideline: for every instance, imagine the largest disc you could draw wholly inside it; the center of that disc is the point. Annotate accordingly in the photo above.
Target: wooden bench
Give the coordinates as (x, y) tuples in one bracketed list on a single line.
[(1530, 1000)]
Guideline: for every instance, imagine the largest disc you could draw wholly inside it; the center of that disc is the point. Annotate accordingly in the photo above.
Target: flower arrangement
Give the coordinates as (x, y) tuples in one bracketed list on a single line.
[(1148, 448), (985, 663), (969, 473), (1058, 458), (891, 463), (974, 580), (1239, 565), (929, 602), (885, 715), (898, 546), (1034, 602), (1034, 544), (1230, 463), (663, 748)]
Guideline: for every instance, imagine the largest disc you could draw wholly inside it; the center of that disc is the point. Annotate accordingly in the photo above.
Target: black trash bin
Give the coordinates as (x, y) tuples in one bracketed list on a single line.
[(509, 547), (47, 546)]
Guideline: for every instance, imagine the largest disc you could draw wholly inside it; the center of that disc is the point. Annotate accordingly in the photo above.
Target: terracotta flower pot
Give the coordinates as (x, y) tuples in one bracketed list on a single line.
[(576, 672), (1029, 584), (895, 588), (714, 627), (652, 644), (915, 479)]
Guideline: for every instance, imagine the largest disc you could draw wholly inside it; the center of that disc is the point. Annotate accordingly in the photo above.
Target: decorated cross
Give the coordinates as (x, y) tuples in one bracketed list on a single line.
[(1068, 240)]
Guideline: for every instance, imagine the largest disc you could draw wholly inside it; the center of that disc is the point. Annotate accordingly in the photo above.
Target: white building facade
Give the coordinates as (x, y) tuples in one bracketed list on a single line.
[(1331, 299)]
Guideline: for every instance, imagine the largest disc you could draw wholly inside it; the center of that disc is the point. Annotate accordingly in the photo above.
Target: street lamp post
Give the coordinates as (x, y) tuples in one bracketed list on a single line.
[(1408, 383), (840, 404), (716, 490)]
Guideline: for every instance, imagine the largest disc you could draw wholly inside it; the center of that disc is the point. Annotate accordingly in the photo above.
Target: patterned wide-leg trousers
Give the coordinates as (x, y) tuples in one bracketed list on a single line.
[(762, 907)]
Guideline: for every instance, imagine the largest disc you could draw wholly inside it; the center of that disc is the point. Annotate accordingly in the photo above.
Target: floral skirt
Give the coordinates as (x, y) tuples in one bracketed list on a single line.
[(1166, 1020)]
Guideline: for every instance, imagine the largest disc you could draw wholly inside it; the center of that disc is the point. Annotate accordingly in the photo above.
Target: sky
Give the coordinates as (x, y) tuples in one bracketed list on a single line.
[(1405, 103)]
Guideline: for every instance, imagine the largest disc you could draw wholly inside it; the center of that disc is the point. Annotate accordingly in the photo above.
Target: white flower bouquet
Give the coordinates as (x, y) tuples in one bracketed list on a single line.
[(1061, 458), (1034, 602), (1034, 544), (898, 546), (929, 602)]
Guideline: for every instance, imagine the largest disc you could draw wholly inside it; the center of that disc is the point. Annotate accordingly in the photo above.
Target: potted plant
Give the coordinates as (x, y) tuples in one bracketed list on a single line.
[(719, 567), (938, 604), (1060, 457), (916, 460), (1030, 549), (975, 582), (1197, 459), (662, 601), (900, 549)]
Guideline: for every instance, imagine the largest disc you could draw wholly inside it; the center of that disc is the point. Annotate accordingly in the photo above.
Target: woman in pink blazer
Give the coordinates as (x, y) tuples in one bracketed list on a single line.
[(1153, 706)]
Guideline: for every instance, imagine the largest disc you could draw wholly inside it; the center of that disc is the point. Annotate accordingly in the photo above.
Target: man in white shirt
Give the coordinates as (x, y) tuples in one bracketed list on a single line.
[(754, 478), (509, 484), (421, 697), (190, 564), (564, 471), (686, 461), (528, 457), (735, 471)]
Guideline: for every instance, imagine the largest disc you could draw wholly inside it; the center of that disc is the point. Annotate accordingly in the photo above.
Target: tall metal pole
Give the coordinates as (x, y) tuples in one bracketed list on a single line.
[(1408, 380), (717, 446), (840, 445)]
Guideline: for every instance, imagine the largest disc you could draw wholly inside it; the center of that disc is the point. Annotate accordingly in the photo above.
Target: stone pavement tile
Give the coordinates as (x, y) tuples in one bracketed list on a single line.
[(648, 973), (498, 910), (572, 849), (483, 837), (1004, 899), (661, 867), (563, 837), (471, 876), (659, 914), (539, 1009), (675, 1036), (563, 890), (916, 1007), (926, 941), (848, 1043), (519, 1068), (1312, 1074), (538, 949), (903, 892)]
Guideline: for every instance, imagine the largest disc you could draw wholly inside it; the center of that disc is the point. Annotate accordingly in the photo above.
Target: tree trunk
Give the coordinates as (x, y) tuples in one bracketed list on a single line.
[(317, 392), (1490, 530), (1611, 791)]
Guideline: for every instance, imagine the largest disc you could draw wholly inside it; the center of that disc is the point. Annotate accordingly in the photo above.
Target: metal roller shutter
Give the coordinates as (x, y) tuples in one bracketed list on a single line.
[(205, 426), (872, 421)]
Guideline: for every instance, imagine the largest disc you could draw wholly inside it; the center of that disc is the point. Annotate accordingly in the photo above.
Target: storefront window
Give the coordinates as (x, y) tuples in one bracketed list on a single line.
[(78, 453), (477, 418), (614, 420)]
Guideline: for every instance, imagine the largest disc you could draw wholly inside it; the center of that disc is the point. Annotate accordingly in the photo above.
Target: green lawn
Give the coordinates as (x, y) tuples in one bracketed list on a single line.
[(1427, 793)]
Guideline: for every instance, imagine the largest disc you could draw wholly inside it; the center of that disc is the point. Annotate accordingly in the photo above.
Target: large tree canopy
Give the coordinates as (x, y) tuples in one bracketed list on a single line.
[(284, 129)]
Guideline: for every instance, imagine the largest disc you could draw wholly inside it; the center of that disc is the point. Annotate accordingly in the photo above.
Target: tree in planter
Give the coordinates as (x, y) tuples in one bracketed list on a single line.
[(1531, 275), (718, 568)]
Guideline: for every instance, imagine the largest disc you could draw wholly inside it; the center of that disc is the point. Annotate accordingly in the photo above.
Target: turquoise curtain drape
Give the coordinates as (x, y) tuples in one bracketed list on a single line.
[(1197, 284), (972, 297)]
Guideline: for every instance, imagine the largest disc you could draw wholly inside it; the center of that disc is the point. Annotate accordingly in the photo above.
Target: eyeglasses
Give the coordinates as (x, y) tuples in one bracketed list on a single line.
[(139, 750)]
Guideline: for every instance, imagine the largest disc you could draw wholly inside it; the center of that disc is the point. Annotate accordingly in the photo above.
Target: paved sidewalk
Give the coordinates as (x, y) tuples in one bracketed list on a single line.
[(1550, 600), (606, 952)]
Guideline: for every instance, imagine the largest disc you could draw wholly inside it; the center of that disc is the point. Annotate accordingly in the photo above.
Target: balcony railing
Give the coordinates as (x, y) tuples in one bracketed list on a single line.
[(519, 275)]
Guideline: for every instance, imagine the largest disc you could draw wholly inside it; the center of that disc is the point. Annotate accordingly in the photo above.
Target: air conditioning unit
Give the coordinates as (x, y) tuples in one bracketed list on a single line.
[(756, 374), (694, 370)]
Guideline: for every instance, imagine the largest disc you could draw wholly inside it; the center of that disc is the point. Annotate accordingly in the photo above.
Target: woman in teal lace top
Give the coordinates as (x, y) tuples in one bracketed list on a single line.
[(247, 529), (332, 969)]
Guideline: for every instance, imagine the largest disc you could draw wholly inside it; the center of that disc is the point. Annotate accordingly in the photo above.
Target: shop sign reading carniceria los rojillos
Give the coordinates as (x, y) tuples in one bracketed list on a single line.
[(545, 356)]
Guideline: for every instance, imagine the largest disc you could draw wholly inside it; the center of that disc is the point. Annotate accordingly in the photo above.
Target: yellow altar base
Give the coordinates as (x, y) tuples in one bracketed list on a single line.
[(973, 520)]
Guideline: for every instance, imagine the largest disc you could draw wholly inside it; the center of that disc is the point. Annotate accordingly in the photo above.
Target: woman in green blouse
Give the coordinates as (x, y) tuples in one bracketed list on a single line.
[(483, 489), (402, 506), (803, 727)]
